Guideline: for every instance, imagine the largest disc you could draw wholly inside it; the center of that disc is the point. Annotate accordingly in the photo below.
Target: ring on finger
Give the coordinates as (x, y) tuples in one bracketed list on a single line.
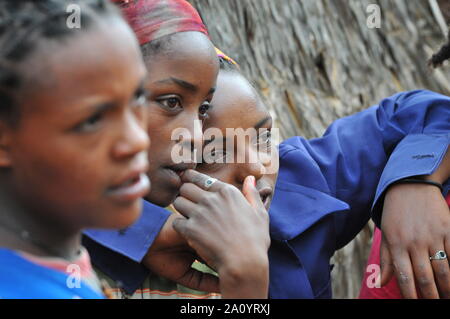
[(439, 255), (209, 182)]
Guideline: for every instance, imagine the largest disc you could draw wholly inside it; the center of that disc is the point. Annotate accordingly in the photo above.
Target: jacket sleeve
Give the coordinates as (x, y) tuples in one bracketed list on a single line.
[(347, 162)]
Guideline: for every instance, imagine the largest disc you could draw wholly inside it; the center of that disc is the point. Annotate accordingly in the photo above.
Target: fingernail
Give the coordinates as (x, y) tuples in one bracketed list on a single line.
[(253, 180)]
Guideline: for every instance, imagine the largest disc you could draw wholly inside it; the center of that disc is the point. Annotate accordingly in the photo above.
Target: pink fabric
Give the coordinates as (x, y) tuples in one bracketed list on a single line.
[(153, 19)]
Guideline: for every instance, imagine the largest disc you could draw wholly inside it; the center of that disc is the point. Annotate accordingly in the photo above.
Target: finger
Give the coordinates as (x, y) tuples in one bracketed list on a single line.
[(252, 195), (404, 273), (184, 206), (199, 179), (197, 280), (441, 271), (181, 225), (386, 265), (423, 274), (192, 192)]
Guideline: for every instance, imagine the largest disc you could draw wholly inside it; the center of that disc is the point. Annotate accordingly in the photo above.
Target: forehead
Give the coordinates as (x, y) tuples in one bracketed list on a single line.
[(235, 103), (187, 53), (103, 58)]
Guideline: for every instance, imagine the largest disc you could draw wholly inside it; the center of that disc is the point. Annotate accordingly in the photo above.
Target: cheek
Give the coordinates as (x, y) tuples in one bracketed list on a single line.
[(61, 168)]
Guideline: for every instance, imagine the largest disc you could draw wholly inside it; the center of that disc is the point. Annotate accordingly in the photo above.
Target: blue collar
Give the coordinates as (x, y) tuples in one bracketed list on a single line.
[(296, 208)]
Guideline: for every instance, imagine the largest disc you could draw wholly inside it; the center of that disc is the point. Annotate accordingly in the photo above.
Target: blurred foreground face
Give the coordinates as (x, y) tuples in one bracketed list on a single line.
[(78, 156)]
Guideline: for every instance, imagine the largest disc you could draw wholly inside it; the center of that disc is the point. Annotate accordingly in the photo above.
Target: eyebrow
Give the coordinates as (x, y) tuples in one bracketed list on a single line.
[(184, 84), (104, 106), (262, 122)]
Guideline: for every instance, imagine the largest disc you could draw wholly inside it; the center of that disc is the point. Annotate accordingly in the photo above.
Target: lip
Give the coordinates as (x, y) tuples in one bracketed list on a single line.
[(132, 186), (179, 169), (266, 194)]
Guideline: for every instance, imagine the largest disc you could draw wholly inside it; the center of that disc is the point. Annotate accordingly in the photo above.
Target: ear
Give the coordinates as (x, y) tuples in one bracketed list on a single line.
[(5, 144)]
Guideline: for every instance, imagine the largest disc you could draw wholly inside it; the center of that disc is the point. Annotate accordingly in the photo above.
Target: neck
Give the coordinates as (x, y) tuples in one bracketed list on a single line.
[(36, 233)]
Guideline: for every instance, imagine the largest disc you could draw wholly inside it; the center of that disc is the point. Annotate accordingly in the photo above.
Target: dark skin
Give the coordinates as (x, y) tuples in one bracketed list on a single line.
[(404, 205), (170, 256), (90, 110), (215, 233), (233, 240), (410, 237), (182, 81)]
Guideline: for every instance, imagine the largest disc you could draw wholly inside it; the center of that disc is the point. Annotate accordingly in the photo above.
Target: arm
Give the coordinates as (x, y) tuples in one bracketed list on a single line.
[(349, 159), (415, 225), (150, 244)]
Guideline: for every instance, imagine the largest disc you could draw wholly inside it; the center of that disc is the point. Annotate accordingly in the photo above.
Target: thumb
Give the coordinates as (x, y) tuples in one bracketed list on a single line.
[(386, 264), (251, 194)]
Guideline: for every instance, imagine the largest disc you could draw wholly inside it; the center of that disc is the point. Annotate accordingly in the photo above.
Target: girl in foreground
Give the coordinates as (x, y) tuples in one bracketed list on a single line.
[(73, 142)]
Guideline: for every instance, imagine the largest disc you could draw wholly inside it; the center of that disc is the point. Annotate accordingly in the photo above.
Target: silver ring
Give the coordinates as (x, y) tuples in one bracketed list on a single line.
[(439, 255), (208, 183)]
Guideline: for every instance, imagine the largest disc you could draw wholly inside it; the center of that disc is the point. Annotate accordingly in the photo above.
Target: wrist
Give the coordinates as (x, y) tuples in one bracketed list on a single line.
[(245, 277), (419, 180)]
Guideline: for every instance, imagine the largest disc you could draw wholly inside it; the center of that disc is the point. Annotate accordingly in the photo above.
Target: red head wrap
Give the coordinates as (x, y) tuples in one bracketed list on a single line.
[(153, 19)]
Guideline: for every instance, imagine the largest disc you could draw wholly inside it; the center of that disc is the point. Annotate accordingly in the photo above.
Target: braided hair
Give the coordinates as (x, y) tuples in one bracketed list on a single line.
[(24, 24), (442, 55)]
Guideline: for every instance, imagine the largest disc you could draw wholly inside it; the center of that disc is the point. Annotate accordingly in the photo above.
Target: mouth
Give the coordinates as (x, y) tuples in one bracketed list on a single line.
[(132, 187), (179, 169), (266, 196)]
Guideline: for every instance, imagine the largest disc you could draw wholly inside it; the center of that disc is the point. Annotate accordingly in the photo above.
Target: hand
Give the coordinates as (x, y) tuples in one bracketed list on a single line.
[(415, 225), (229, 230), (171, 257)]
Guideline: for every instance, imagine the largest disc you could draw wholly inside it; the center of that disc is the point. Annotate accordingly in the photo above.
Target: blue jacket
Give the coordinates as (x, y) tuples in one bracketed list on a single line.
[(325, 192)]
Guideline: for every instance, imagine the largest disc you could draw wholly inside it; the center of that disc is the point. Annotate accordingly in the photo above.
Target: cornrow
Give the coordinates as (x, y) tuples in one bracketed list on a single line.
[(26, 23), (442, 55)]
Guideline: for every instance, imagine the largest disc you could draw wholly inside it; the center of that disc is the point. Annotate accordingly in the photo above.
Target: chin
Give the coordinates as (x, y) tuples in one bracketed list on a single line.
[(161, 198), (124, 218)]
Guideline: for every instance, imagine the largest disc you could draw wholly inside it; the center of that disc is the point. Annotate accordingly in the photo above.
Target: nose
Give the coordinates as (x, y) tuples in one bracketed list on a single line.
[(133, 137), (193, 142)]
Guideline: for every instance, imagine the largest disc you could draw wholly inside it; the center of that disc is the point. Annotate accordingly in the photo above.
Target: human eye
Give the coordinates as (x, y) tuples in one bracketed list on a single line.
[(170, 103), (203, 110), (264, 140)]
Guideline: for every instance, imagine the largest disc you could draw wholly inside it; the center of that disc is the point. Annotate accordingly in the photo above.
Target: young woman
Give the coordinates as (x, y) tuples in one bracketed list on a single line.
[(73, 142), (326, 176)]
